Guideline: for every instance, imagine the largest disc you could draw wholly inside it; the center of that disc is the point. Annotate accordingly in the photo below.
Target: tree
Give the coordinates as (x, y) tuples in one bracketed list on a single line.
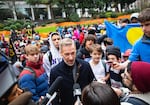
[(12, 6), (66, 6), (124, 3)]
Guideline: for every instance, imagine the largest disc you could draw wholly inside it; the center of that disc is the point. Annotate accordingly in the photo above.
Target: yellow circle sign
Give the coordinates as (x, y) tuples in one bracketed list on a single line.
[(134, 34)]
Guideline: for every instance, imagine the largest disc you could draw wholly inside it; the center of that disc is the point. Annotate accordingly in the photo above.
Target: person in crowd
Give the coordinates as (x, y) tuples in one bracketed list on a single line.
[(124, 22), (106, 42), (33, 77), (99, 68), (136, 78), (81, 37), (74, 71), (44, 49), (134, 17), (140, 50), (83, 52), (92, 30), (52, 57), (99, 94), (113, 54), (126, 55), (76, 33)]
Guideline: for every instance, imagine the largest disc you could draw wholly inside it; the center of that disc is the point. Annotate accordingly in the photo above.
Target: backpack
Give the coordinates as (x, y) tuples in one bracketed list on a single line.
[(30, 69), (104, 64), (50, 57)]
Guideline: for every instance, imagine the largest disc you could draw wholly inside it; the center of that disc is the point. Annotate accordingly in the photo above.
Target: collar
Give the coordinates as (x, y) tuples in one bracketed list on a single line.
[(145, 39)]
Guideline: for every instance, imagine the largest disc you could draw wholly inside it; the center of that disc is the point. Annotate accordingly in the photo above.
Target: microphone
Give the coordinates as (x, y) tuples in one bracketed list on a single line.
[(76, 89), (52, 90), (77, 92)]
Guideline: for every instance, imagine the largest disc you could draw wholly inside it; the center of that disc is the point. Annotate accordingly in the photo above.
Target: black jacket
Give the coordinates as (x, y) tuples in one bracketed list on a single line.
[(83, 53), (66, 87)]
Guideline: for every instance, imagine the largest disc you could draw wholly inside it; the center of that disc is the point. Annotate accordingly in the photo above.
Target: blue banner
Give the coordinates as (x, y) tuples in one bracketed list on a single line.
[(124, 37)]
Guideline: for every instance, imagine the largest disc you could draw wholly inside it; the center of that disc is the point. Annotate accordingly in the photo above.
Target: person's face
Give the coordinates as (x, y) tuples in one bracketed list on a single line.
[(33, 57), (112, 58), (146, 28), (127, 81), (69, 54), (88, 44), (96, 56), (56, 40), (134, 20)]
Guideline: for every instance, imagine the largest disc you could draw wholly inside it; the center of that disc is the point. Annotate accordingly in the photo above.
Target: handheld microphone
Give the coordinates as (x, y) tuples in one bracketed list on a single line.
[(55, 85), (77, 93), (76, 89)]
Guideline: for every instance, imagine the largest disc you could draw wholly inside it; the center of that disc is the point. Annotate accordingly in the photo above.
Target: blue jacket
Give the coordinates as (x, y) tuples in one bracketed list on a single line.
[(141, 50), (38, 86)]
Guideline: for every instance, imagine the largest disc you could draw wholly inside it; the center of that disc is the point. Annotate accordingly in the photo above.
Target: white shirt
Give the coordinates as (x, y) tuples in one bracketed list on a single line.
[(98, 70)]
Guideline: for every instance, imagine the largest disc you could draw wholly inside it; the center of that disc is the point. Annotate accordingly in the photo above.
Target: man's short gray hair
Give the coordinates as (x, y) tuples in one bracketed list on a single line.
[(66, 42)]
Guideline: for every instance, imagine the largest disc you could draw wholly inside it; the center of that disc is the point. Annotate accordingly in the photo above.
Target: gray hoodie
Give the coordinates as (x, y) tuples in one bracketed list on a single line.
[(56, 57)]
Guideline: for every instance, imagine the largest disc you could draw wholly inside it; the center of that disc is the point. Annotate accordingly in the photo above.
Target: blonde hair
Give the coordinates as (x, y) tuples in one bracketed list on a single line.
[(66, 42), (31, 49)]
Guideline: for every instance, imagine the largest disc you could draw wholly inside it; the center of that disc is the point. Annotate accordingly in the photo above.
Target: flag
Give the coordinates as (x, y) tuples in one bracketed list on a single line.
[(12, 53), (124, 37)]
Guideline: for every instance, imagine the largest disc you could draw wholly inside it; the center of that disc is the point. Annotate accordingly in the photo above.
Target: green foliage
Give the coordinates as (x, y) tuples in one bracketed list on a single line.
[(27, 24), (114, 15), (60, 20), (108, 14), (19, 21), (18, 26), (91, 11), (6, 28), (48, 22), (43, 25), (13, 27), (131, 11), (1, 26), (9, 22), (102, 15), (74, 17)]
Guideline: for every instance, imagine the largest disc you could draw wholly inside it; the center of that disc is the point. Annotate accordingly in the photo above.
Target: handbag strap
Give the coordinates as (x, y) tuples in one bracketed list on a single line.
[(75, 73)]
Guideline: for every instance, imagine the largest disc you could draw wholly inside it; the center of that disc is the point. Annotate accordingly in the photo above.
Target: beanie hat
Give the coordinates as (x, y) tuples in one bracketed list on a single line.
[(140, 74), (113, 50)]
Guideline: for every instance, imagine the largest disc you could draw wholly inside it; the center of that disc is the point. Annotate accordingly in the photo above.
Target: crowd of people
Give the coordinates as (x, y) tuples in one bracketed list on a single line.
[(93, 70)]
